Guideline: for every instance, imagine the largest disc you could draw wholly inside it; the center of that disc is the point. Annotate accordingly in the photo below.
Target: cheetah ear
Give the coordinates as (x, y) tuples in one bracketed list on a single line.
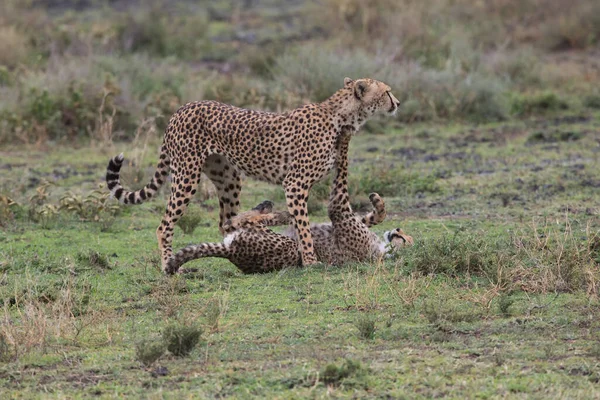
[(347, 82), (360, 87)]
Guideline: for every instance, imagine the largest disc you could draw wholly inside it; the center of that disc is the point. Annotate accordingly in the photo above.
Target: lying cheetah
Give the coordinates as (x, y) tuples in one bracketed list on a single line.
[(254, 248), (295, 149)]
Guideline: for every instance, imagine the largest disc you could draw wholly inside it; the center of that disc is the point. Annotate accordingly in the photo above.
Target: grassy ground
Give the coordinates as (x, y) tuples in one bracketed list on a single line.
[(492, 164), (498, 297)]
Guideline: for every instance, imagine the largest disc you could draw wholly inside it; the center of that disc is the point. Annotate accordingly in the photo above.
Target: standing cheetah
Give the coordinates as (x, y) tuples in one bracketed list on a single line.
[(295, 149), (254, 248)]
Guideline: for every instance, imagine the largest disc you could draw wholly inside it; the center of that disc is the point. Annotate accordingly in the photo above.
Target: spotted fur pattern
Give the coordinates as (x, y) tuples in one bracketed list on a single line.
[(254, 248), (294, 149)]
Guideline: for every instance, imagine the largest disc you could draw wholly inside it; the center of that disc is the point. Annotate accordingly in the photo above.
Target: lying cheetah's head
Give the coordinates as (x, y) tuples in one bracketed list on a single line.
[(374, 96), (397, 239)]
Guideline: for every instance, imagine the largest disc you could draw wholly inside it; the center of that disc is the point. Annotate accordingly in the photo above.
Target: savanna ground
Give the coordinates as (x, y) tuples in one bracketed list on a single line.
[(492, 165)]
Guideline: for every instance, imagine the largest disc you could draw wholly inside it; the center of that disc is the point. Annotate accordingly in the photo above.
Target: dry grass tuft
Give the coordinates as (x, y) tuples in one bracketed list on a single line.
[(551, 257)]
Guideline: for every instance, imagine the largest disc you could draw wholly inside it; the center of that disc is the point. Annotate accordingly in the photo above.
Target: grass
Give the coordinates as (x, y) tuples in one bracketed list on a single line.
[(506, 248), (491, 165)]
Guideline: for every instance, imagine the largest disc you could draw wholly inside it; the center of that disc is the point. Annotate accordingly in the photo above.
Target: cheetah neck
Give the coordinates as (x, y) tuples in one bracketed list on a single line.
[(347, 112)]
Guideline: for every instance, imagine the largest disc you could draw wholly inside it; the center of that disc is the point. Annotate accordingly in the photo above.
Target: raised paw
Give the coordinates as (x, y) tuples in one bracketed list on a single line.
[(374, 198)]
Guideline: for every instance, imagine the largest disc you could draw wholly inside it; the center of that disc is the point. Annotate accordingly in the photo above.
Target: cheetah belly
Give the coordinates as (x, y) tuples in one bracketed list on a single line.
[(266, 162)]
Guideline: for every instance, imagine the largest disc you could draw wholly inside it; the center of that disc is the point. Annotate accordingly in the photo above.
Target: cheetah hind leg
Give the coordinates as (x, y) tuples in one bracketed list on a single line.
[(227, 181), (183, 188)]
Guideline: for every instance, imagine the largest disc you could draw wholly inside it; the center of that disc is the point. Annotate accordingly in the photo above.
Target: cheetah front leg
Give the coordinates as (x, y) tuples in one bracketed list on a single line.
[(296, 198)]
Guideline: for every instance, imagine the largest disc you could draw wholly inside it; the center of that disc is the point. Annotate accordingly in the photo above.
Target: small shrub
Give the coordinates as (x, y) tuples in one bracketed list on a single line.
[(440, 336), (366, 327), (505, 301), (5, 351), (95, 206), (46, 215), (94, 259), (180, 340), (149, 351), (334, 375), (499, 358), (537, 104), (595, 350), (592, 101), (8, 207), (455, 254), (190, 220)]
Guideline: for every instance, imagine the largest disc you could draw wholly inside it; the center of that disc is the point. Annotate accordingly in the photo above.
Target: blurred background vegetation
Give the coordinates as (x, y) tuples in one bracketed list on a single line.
[(97, 69)]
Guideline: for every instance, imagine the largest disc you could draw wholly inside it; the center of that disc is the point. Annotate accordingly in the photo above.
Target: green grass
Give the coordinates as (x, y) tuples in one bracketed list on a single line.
[(497, 298), (491, 165)]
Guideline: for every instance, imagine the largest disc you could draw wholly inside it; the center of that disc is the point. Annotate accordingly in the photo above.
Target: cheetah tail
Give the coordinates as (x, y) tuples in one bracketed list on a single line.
[(378, 214), (195, 251), (136, 197)]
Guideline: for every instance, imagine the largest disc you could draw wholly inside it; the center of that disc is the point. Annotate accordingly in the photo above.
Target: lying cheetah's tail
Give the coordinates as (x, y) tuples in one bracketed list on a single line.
[(378, 214), (128, 197), (195, 251)]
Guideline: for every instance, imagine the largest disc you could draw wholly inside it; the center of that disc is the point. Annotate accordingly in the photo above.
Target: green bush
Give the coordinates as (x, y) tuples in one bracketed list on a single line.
[(538, 103), (592, 101), (505, 301), (149, 351), (366, 327), (69, 114), (180, 340), (190, 220), (454, 254), (5, 350), (336, 375), (94, 259)]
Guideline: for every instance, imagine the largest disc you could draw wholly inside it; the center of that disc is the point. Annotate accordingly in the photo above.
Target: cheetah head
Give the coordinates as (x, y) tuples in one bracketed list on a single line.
[(396, 239), (373, 96)]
